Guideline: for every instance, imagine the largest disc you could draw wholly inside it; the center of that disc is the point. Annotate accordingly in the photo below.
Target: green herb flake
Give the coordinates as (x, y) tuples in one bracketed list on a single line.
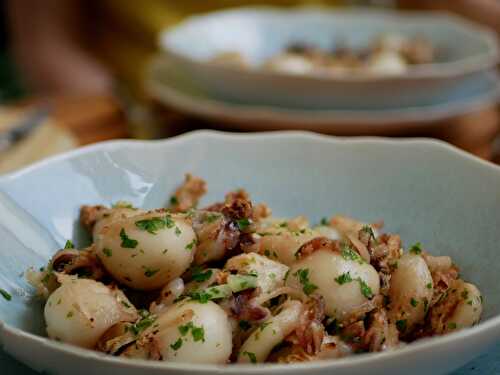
[(127, 243), (192, 244), (155, 224), (303, 276), (6, 295), (176, 345), (413, 302), (416, 249), (465, 294), (200, 296), (146, 321), (148, 272), (127, 305), (344, 278), (211, 218), (365, 289), (429, 286), (283, 224), (401, 325), (324, 221), (250, 356), (267, 253), (452, 325), (198, 334), (107, 252), (69, 245), (243, 224), (174, 201), (200, 275), (70, 314), (122, 204), (367, 229), (177, 231), (349, 254)]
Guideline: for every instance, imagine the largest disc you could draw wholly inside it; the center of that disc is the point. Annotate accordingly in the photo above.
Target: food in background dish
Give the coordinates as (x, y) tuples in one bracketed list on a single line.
[(388, 54), (230, 283)]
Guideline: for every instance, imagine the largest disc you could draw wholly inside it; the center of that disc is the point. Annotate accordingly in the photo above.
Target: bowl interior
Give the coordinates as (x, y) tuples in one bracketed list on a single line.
[(259, 33), (425, 191)]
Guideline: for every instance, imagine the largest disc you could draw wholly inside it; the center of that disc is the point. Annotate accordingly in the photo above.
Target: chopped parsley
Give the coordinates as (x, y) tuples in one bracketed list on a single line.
[(200, 275), (127, 242), (107, 252), (401, 325), (177, 231), (174, 201), (465, 294), (148, 272), (267, 253), (70, 314), (452, 325), (5, 294), (176, 345), (324, 221), (243, 224), (416, 249), (155, 224), (244, 325), (251, 356), (349, 254), (190, 245), (363, 286), (367, 229), (146, 321), (344, 278), (127, 305), (198, 333), (413, 302), (303, 275), (69, 245), (212, 217), (429, 286), (365, 289), (200, 296), (283, 224)]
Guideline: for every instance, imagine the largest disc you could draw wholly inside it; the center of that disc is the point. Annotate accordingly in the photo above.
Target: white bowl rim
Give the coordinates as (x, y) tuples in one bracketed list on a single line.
[(214, 108), (492, 324), (446, 69)]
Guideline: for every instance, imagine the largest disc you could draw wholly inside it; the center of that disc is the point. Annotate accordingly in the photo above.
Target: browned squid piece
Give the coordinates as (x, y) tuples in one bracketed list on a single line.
[(188, 194)]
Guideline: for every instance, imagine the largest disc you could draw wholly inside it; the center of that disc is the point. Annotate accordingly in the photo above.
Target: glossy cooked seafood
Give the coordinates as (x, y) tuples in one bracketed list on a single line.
[(230, 283), (388, 54)]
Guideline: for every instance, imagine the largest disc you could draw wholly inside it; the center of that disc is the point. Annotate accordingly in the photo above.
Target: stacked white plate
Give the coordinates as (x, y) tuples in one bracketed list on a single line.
[(461, 80)]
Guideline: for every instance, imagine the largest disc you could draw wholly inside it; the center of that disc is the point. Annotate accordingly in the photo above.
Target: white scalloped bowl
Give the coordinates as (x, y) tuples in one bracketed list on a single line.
[(424, 190), (260, 32)]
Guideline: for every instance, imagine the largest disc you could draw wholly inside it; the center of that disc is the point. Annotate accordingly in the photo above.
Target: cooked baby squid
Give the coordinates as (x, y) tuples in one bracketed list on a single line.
[(270, 274), (345, 281), (270, 333), (230, 283), (107, 216), (81, 310), (411, 292), (147, 251), (460, 307), (187, 332), (280, 239)]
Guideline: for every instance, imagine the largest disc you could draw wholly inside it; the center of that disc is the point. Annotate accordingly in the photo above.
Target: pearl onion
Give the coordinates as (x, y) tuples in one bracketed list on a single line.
[(324, 267), (144, 260), (81, 310)]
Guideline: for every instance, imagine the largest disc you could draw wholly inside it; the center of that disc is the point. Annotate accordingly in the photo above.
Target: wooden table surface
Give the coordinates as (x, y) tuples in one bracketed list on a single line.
[(93, 119), (100, 118)]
